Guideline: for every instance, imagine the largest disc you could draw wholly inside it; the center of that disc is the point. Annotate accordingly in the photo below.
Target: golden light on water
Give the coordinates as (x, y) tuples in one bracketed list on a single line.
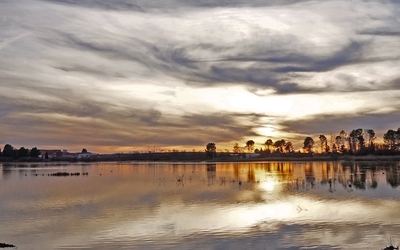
[(268, 186), (119, 204)]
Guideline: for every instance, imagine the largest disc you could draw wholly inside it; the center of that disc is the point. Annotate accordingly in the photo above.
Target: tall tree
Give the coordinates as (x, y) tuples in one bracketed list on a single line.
[(324, 143), (268, 144), (280, 145), (289, 147), (360, 140), (308, 144), (338, 143), (344, 145), (390, 139), (371, 136), (356, 140), (211, 149), (250, 145), (342, 142)]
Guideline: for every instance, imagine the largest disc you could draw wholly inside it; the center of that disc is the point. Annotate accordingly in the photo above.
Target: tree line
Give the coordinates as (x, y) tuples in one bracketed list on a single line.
[(10, 152), (358, 142)]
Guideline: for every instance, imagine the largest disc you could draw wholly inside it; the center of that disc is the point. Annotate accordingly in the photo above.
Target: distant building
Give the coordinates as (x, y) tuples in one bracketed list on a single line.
[(66, 154), (85, 155), (252, 155), (51, 153)]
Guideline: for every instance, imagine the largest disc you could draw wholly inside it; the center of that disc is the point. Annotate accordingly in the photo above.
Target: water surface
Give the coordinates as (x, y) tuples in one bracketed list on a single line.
[(267, 205)]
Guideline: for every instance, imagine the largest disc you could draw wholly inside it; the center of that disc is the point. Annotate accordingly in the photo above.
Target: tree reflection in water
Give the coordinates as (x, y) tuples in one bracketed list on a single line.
[(294, 205), (349, 175)]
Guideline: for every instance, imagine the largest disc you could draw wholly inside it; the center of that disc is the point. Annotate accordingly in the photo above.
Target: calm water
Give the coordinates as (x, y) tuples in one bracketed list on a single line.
[(285, 205)]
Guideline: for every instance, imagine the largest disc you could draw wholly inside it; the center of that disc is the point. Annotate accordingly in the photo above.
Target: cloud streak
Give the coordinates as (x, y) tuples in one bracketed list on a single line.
[(171, 5), (183, 73)]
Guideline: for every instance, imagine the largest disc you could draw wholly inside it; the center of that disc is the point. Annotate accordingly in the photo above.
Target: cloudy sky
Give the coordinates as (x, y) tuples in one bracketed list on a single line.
[(128, 75)]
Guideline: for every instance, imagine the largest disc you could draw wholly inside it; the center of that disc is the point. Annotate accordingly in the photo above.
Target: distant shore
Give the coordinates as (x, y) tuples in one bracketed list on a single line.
[(200, 157), (316, 158)]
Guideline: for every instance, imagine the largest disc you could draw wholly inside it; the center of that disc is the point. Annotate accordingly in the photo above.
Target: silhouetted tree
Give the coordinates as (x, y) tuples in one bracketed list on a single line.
[(23, 152), (361, 142), (34, 153), (289, 147), (356, 140), (84, 151), (391, 138), (8, 150), (211, 149), (280, 145), (308, 144), (338, 142), (268, 144), (371, 138), (353, 139), (250, 145), (324, 143)]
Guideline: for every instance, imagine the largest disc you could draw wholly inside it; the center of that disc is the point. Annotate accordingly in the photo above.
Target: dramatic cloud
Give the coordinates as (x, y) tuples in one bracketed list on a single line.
[(171, 5), (330, 124), (128, 75)]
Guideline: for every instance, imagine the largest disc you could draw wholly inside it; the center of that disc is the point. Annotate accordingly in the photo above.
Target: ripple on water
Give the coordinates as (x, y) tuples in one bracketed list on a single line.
[(130, 208)]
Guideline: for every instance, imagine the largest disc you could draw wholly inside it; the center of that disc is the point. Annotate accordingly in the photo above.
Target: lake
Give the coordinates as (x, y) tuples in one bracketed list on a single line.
[(257, 205)]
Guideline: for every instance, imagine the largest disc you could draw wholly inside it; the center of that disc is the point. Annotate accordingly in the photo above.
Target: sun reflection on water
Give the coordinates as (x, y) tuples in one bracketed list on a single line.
[(268, 186), (135, 204)]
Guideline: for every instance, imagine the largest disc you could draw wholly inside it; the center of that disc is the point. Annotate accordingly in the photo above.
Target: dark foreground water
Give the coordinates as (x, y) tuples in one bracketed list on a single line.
[(285, 205)]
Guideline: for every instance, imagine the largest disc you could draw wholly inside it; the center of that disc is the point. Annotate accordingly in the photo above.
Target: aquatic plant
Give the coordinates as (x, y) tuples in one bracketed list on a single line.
[(5, 245)]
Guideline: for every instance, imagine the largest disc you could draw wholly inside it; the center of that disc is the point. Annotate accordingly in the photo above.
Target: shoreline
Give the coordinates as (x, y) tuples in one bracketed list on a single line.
[(315, 158)]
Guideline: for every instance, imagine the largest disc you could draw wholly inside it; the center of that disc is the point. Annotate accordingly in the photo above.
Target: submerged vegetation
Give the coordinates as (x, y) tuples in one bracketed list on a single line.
[(5, 245), (67, 174)]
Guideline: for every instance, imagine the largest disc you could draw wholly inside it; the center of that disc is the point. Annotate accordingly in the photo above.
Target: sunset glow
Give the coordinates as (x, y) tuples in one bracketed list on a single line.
[(176, 75)]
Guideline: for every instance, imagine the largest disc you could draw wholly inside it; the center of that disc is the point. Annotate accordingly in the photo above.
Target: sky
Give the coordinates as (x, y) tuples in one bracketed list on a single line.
[(134, 75)]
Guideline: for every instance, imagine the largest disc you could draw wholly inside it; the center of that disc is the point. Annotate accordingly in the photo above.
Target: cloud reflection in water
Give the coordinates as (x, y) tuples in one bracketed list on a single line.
[(278, 206)]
